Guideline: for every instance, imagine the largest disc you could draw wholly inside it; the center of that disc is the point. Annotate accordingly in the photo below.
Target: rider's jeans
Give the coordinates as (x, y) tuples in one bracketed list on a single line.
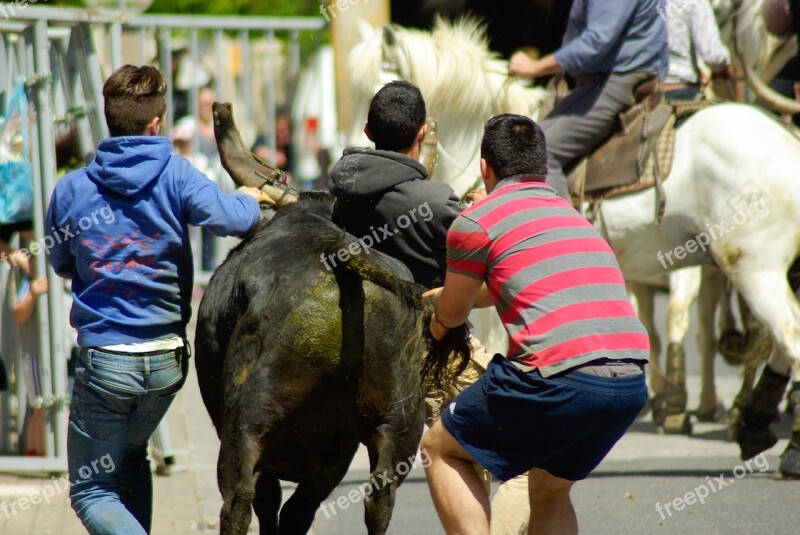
[(117, 402)]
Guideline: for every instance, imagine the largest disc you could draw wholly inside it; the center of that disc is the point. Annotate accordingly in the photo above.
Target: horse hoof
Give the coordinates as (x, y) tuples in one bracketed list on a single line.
[(754, 441), (733, 347), (677, 424), (790, 463), (716, 414)]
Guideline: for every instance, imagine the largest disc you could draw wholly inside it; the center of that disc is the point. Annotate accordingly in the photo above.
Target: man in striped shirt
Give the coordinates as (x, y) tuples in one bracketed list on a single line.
[(573, 380)]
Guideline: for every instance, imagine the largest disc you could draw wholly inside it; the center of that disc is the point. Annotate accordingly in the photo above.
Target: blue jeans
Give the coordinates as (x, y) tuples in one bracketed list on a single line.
[(117, 402)]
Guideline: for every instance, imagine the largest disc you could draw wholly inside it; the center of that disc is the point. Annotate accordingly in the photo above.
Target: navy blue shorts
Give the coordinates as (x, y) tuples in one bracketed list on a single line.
[(510, 421)]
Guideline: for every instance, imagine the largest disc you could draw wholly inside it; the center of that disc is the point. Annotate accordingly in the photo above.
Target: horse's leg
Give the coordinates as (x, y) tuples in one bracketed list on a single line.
[(297, 514), (267, 503), (391, 455), (775, 306), (684, 286), (712, 291), (642, 297), (237, 459)]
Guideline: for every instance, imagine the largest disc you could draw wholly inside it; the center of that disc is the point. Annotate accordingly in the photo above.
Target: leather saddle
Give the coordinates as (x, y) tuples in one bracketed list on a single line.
[(639, 153)]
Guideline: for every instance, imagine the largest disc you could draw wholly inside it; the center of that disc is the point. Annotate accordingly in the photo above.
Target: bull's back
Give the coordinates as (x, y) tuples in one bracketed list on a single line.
[(321, 333)]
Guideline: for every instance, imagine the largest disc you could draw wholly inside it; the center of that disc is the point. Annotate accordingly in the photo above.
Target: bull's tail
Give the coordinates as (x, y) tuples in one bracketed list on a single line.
[(447, 358)]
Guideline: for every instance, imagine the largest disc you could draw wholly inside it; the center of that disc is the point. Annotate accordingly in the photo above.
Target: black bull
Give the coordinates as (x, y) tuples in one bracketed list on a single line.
[(298, 365)]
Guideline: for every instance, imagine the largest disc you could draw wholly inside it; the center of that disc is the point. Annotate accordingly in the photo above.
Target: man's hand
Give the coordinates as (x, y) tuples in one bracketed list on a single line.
[(438, 330), (521, 64), (257, 194), (726, 73), (477, 195), (39, 286), (22, 260)]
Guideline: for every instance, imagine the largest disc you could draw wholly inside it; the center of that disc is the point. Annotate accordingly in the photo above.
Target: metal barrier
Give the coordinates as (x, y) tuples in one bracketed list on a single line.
[(60, 54)]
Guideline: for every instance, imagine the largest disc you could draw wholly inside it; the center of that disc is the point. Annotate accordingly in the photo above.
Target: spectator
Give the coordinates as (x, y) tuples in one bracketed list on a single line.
[(29, 291)]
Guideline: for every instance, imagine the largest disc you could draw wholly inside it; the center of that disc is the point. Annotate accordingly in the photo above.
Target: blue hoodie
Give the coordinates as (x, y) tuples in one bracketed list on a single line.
[(118, 229)]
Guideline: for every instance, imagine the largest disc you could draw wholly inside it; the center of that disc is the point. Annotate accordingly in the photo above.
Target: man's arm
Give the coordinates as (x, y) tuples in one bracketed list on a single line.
[(606, 21), (205, 205), (706, 38), (454, 302)]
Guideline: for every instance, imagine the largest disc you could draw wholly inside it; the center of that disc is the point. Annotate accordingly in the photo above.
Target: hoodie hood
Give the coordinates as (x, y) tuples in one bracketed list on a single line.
[(128, 164), (385, 170)]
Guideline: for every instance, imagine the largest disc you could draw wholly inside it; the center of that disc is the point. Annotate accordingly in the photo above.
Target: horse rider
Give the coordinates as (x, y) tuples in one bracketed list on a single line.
[(610, 48), (693, 32)]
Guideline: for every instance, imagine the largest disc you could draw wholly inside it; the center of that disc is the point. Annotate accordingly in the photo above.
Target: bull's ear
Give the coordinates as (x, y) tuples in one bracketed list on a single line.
[(365, 30)]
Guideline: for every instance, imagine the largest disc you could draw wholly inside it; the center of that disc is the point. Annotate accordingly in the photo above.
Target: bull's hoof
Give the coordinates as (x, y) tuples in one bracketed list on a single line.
[(714, 414), (677, 424), (790, 463), (754, 441)]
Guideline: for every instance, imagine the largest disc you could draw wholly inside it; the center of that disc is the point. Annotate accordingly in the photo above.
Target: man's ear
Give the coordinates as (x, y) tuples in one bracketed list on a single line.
[(422, 133), (488, 175), (154, 127), (368, 132)]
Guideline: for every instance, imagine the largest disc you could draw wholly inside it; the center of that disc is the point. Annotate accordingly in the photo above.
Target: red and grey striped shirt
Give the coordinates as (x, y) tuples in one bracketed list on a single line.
[(554, 280)]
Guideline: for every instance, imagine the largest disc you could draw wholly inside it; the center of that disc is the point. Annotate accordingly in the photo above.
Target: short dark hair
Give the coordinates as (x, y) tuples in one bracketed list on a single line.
[(134, 96), (514, 145), (396, 114)]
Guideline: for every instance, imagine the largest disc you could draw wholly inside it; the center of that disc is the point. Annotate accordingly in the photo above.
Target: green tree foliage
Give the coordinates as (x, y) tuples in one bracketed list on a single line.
[(271, 8)]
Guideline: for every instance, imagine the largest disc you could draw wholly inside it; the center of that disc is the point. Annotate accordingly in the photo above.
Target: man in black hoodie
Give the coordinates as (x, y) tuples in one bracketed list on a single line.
[(383, 195)]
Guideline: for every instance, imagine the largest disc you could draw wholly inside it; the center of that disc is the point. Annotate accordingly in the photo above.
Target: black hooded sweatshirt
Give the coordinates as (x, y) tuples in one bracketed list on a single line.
[(384, 199)]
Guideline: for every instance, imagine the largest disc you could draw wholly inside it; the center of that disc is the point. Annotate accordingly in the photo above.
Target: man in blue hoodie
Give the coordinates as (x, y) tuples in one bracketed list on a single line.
[(131, 271)]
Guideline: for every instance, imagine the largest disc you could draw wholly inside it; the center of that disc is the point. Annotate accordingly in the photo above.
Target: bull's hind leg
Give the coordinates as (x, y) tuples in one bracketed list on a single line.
[(391, 456), (267, 503), (297, 514), (237, 483)]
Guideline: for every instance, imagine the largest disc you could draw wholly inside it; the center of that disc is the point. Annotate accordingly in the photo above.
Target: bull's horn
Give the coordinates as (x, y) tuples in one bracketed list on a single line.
[(245, 168), (771, 98), (428, 155)]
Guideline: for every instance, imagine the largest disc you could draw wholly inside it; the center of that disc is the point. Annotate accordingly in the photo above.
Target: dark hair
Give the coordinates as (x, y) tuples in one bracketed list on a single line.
[(396, 114), (134, 96), (514, 145)]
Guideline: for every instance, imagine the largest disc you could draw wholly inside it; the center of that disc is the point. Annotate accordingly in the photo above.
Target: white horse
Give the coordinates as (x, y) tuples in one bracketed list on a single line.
[(733, 197)]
